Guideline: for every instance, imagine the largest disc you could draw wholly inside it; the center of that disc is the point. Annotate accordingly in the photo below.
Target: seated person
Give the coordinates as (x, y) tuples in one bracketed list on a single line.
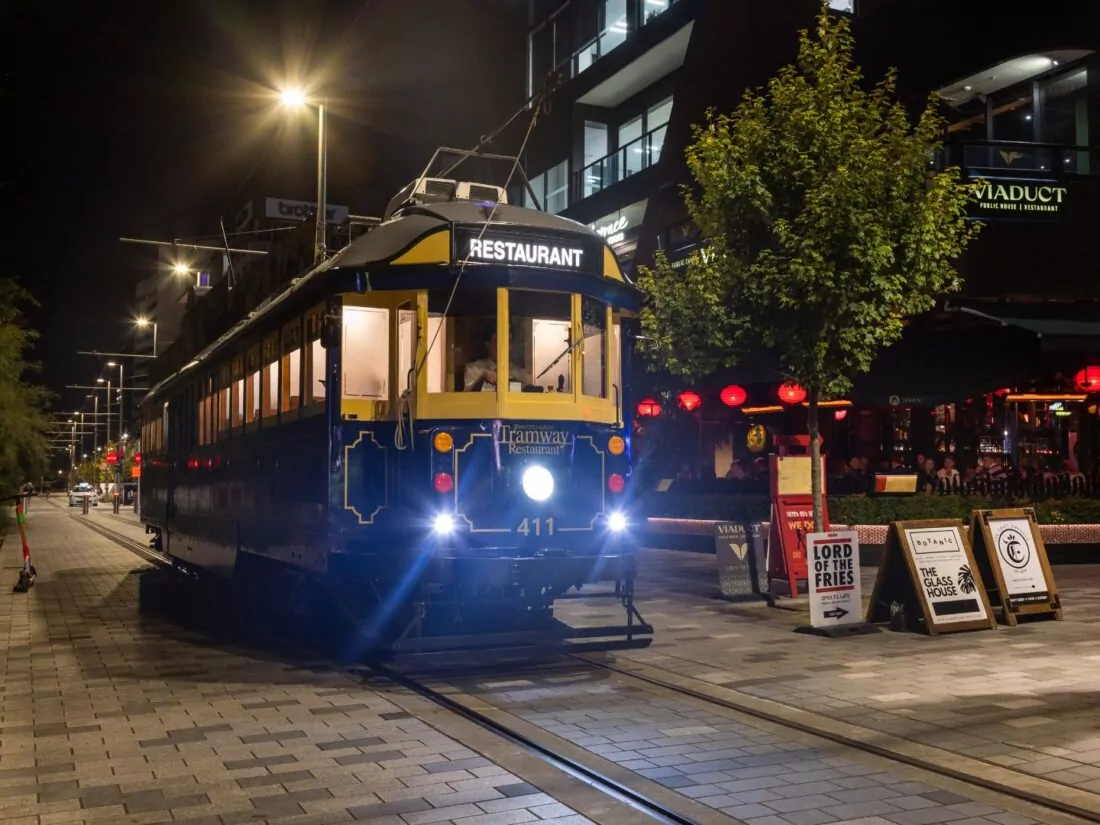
[(481, 375)]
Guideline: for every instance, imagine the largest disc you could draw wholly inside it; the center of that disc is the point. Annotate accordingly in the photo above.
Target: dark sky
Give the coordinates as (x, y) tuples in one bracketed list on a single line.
[(151, 119)]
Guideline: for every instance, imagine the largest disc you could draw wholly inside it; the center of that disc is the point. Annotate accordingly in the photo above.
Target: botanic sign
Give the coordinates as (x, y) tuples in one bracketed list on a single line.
[(997, 197)]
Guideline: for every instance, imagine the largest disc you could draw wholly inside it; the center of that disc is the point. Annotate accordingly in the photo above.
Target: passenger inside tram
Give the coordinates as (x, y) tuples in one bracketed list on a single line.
[(481, 375)]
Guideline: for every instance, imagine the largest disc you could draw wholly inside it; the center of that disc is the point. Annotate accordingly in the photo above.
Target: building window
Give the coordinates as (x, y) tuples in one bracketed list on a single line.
[(847, 6), (551, 189), (557, 188), (655, 7), (595, 152), (631, 147), (614, 29)]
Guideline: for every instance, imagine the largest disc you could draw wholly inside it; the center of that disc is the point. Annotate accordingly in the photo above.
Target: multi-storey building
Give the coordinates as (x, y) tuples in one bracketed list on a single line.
[(1021, 89)]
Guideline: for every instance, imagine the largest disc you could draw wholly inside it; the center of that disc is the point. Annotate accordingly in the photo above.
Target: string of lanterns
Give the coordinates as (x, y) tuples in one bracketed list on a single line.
[(732, 396)]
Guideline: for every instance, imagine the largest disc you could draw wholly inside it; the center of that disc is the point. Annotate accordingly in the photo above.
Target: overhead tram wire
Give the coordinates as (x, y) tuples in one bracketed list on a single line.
[(404, 407)]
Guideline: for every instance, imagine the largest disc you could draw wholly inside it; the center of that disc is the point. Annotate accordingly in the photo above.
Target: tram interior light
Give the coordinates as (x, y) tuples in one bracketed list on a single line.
[(538, 483), (444, 524), (616, 522)]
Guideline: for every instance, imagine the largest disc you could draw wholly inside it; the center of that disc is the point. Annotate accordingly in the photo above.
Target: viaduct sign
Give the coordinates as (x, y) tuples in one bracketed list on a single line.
[(1021, 199)]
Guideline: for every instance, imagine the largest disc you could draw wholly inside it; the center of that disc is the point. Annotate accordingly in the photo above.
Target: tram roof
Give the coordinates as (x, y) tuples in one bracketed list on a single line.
[(430, 240)]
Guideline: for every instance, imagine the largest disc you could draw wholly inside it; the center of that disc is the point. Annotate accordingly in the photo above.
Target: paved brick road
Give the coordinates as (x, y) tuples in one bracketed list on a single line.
[(107, 717), (1026, 698)]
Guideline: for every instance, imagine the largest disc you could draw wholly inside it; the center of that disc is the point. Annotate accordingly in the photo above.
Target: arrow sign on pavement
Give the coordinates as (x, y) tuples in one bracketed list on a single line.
[(835, 613)]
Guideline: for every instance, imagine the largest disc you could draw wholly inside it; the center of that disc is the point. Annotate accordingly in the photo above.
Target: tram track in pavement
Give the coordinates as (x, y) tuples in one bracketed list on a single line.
[(664, 804), (653, 809)]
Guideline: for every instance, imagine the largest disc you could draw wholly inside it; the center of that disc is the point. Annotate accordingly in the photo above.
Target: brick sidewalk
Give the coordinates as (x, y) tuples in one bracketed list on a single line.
[(1025, 698), (110, 717)]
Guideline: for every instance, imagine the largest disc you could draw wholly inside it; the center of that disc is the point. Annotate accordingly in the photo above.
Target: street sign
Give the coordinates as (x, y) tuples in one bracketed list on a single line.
[(928, 568), (137, 459), (1010, 551), (111, 458), (741, 560), (835, 593), (135, 471)]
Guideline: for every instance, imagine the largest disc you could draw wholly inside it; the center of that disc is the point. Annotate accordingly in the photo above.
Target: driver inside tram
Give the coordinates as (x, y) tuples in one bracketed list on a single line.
[(481, 375)]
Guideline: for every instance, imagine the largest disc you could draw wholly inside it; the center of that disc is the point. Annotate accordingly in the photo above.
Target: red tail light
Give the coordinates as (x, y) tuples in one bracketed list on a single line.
[(615, 483), (443, 483)]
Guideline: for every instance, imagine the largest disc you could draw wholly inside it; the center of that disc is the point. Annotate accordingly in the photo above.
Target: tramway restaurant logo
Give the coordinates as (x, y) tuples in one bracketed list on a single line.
[(533, 440), (997, 196), (519, 252), (284, 210)]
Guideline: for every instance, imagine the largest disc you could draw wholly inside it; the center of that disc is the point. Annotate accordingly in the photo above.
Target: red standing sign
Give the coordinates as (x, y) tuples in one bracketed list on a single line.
[(792, 512)]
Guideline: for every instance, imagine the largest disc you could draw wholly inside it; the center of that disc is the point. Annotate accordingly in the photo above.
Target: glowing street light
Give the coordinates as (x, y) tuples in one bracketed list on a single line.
[(294, 98), (145, 322), (180, 268)]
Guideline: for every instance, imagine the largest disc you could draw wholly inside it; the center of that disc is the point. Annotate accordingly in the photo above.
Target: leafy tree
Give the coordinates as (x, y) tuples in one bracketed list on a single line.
[(825, 226), (24, 445)]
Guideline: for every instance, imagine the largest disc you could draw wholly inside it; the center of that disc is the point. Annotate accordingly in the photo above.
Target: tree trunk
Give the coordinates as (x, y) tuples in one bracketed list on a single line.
[(815, 458)]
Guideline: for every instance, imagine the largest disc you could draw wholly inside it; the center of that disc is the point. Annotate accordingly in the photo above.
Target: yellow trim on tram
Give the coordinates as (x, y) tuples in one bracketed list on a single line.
[(434, 249), (611, 268)]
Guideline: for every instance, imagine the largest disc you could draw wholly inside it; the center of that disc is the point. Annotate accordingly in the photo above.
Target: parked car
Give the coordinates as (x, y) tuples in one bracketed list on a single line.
[(80, 491)]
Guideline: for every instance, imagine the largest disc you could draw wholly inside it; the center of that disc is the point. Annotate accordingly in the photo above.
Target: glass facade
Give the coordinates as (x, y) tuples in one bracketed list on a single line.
[(639, 138), (580, 32)]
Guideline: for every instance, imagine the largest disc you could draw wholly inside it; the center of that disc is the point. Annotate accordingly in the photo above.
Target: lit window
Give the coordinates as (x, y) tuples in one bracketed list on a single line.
[(594, 352), (557, 188), (462, 347), (540, 332), (316, 372), (655, 7), (269, 382), (842, 5), (291, 393), (406, 349), (366, 353)]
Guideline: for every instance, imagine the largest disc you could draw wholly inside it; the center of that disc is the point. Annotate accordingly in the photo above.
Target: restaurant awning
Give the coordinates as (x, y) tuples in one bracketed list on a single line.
[(1069, 319)]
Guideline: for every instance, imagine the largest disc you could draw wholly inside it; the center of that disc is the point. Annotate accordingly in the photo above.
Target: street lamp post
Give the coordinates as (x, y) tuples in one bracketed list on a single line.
[(296, 99), (145, 322)]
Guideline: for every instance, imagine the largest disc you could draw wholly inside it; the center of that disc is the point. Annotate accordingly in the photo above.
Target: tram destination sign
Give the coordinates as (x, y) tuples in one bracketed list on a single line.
[(575, 254)]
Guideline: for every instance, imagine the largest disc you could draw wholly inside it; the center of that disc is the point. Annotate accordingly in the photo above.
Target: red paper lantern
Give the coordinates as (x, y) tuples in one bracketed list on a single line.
[(648, 408), (840, 415), (733, 396), (1088, 379), (791, 393), (688, 400)]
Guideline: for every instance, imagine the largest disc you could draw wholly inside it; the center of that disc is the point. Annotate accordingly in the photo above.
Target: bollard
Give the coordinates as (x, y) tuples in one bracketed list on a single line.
[(118, 504), (28, 574), (86, 504)]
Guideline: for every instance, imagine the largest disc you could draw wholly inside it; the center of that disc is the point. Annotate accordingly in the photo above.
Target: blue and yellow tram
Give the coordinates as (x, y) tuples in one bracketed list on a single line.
[(357, 434)]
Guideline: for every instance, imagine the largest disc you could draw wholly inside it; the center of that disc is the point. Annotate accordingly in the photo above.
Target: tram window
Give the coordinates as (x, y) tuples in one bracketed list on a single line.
[(238, 403), (594, 348), (211, 410), (315, 367), (269, 389), (162, 436), (406, 347), (200, 415), (290, 395), (540, 330), (224, 402), (617, 348), (462, 354), (252, 398), (366, 352)]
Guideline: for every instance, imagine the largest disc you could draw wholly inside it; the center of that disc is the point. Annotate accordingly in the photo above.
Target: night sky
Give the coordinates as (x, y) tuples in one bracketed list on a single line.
[(153, 119)]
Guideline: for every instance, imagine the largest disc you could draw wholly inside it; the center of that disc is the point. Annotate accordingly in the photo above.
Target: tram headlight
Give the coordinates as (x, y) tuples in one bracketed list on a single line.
[(538, 483), (444, 524), (616, 522)]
